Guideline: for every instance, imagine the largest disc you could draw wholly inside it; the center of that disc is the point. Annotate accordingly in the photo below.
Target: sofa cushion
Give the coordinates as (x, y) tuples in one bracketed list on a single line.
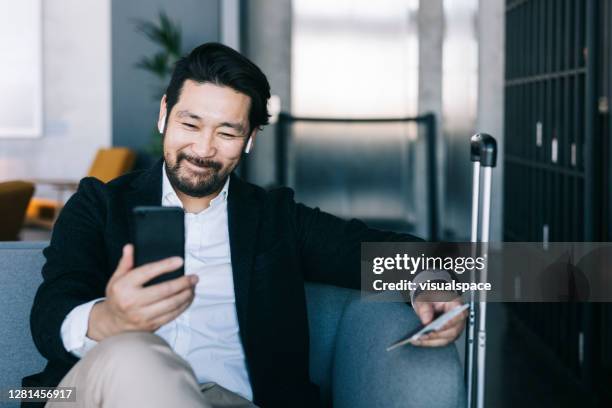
[(20, 265)]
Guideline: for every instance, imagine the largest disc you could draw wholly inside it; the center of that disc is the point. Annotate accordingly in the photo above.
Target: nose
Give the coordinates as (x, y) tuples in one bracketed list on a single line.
[(204, 145)]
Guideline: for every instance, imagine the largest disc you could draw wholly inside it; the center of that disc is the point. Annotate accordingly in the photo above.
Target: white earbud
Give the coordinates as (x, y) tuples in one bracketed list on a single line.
[(247, 149), (161, 124)]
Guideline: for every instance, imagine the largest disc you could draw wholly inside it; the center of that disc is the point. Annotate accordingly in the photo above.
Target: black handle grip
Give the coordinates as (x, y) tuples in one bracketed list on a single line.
[(483, 148)]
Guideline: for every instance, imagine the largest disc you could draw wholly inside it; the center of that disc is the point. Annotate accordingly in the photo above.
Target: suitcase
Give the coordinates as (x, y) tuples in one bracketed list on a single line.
[(483, 153)]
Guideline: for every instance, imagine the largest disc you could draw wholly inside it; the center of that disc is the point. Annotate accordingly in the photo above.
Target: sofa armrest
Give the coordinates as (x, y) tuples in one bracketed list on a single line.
[(366, 375), (20, 265), (349, 361)]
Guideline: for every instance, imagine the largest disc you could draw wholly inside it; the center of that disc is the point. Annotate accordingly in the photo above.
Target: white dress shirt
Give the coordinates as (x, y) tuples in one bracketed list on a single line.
[(206, 334)]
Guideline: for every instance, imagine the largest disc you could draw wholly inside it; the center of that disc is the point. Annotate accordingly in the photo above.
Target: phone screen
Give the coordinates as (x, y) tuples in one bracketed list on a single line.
[(159, 233)]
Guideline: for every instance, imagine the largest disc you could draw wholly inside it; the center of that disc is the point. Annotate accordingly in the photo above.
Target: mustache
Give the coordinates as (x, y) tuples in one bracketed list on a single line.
[(199, 162)]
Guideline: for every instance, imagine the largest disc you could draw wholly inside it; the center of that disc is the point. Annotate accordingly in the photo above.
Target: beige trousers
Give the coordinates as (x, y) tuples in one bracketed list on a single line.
[(139, 369)]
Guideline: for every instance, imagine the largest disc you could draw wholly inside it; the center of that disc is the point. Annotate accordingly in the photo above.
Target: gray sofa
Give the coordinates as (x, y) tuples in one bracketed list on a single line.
[(348, 341)]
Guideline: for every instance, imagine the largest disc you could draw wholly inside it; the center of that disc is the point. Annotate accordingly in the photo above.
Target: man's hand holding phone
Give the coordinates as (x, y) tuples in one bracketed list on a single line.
[(426, 309), (131, 307)]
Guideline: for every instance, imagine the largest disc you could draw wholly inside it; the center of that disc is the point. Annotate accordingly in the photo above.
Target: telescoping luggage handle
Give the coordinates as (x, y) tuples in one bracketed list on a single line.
[(483, 154), (483, 149)]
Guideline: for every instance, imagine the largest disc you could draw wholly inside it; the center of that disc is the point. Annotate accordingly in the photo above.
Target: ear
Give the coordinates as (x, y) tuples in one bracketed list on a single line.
[(250, 142), (161, 119)]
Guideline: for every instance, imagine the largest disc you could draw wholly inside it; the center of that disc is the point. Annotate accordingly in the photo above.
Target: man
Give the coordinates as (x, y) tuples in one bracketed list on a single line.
[(231, 332)]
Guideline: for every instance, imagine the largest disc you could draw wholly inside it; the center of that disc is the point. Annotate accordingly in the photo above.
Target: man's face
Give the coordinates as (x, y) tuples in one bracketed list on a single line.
[(205, 136)]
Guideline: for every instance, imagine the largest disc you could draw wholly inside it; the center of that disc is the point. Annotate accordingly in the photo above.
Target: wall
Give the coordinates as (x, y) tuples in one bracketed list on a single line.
[(490, 118), (472, 101), (134, 106), (431, 35), (266, 40), (460, 87), (77, 95)]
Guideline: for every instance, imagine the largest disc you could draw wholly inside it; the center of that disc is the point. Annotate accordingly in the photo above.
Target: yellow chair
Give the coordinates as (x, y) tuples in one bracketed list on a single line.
[(14, 199), (112, 163), (107, 165)]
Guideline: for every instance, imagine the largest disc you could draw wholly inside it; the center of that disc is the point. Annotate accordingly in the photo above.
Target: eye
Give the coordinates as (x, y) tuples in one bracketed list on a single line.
[(189, 125), (227, 135)]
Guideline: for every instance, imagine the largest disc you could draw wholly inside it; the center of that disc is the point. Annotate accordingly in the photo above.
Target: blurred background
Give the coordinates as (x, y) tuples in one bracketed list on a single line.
[(374, 104)]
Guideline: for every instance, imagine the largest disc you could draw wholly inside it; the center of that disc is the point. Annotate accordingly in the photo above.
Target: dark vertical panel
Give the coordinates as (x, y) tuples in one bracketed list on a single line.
[(569, 32), (592, 140), (551, 80)]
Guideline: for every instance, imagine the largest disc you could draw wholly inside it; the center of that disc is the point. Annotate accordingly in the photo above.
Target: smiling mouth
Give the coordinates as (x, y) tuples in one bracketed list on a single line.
[(198, 167)]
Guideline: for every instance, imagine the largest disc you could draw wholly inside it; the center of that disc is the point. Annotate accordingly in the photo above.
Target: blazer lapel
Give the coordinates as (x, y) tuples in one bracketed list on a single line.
[(243, 220)]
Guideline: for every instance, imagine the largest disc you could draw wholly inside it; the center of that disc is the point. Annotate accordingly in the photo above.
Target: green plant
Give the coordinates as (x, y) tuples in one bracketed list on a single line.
[(166, 34)]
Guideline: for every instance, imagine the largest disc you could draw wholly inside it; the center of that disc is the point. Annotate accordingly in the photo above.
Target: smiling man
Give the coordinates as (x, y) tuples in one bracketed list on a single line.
[(232, 332)]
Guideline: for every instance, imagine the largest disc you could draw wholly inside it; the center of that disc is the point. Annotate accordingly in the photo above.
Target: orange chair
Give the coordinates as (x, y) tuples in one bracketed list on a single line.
[(107, 165), (112, 163), (14, 199)]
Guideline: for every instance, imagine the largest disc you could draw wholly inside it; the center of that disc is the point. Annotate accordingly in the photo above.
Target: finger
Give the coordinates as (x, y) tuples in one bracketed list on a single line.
[(168, 305), (170, 316), (451, 329), (141, 275), (431, 343), (457, 321), (443, 307), (432, 335), (159, 291), (126, 262), (448, 306), (425, 311), (450, 334), (439, 306), (456, 324)]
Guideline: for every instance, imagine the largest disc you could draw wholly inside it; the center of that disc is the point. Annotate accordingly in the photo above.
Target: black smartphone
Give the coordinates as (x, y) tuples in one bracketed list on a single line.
[(159, 233)]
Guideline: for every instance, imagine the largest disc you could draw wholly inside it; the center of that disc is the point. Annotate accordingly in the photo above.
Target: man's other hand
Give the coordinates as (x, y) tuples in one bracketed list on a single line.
[(427, 310), (129, 306)]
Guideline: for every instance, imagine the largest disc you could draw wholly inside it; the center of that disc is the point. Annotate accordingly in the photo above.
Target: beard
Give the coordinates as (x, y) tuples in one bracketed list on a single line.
[(193, 183)]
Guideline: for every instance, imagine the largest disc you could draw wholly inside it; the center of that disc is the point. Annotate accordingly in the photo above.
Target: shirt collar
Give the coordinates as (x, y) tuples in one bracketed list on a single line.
[(169, 196)]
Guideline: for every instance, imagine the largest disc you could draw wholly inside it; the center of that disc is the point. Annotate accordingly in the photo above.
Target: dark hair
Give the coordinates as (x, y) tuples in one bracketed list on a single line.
[(221, 65)]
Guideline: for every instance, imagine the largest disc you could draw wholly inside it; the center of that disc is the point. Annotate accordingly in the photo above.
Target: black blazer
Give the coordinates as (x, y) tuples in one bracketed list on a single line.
[(276, 245)]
